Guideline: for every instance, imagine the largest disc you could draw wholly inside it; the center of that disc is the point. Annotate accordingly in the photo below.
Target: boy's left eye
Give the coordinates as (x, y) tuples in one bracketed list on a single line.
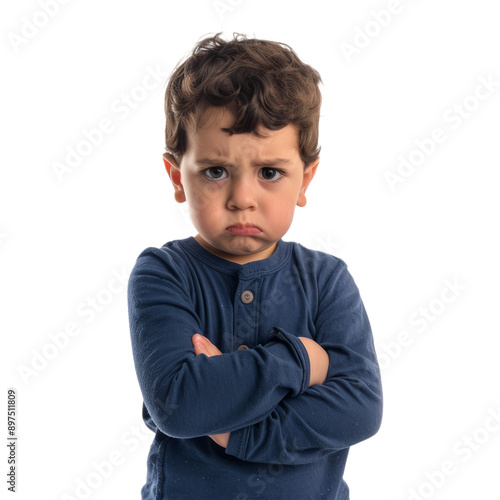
[(270, 174)]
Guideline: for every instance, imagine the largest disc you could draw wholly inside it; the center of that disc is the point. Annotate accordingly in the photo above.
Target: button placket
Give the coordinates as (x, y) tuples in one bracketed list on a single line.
[(246, 313)]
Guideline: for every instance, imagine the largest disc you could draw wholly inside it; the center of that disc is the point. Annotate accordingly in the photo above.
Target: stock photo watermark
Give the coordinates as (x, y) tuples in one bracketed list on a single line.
[(222, 7), (453, 119), (366, 33), (31, 27), (91, 138), (326, 243), (420, 321), (12, 454), (59, 340), (100, 471), (462, 450), (266, 474)]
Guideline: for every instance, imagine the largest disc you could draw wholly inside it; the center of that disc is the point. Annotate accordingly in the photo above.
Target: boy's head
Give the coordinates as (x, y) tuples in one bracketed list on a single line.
[(262, 83), (242, 136)]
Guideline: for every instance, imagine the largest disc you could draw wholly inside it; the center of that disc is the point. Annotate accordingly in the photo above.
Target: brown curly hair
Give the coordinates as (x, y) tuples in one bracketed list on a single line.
[(261, 82)]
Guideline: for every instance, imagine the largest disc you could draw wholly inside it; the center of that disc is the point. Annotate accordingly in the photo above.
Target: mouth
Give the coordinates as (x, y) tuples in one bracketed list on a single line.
[(244, 230)]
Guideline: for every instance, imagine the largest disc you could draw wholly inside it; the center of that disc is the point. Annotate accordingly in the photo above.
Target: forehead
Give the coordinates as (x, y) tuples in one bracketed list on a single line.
[(210, 138)]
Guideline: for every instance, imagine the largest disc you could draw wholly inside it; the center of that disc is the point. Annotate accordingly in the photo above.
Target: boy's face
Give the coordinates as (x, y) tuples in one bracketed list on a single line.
[(241, 189)]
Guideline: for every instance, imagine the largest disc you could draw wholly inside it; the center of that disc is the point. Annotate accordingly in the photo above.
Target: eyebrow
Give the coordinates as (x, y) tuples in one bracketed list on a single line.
[(220, 162)]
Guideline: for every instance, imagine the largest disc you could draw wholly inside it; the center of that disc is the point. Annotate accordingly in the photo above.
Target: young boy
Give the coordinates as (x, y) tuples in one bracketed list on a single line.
[(254, 355)]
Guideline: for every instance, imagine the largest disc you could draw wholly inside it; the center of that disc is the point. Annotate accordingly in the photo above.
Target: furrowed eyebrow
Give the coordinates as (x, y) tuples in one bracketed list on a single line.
[(214, 162), (274, 162)]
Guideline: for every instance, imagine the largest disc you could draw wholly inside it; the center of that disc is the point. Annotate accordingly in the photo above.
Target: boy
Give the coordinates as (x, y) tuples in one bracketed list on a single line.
[(254, 355)]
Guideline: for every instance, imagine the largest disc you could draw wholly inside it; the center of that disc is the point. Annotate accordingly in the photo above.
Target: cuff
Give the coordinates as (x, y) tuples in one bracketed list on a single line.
[(297, 348), (237, 444)]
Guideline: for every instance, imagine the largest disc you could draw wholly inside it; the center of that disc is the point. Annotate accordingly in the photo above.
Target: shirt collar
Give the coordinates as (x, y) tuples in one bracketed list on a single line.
[(275, 261)]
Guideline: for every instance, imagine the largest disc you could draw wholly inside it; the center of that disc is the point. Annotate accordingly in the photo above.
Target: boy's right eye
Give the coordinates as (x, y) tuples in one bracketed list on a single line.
[(215, 173)]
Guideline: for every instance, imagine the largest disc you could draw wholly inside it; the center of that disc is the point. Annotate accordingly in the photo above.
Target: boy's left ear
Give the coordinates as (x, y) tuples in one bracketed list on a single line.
[(309, 173)]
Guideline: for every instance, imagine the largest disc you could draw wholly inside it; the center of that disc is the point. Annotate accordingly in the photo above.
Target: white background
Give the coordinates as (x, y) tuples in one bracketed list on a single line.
[(64, 238)]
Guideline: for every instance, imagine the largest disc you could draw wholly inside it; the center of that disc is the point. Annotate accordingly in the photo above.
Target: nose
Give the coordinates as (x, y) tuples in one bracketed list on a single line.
[(242, 194)]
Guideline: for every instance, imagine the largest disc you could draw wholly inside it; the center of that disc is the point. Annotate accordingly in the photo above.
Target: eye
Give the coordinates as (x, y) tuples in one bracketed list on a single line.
[(215, 173), (271, 174)]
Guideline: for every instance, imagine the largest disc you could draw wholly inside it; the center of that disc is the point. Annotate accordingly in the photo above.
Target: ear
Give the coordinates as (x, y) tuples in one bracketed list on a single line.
[(174, 172), (309, 173)]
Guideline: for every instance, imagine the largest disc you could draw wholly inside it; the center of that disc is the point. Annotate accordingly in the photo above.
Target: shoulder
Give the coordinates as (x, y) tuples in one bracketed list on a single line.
[(167, 251), (329, 273), (315, 260), (160, 276), (171, 259)]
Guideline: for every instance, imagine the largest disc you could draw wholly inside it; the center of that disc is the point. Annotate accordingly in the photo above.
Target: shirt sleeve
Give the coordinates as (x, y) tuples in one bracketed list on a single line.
[(345, 410), (189, 396)]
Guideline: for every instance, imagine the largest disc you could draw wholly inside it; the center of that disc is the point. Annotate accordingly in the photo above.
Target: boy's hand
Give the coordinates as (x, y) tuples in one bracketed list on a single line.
[(203, 346), (318, 359)]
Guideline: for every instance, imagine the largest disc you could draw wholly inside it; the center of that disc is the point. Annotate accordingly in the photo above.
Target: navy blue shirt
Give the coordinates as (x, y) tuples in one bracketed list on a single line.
[(288, 440)]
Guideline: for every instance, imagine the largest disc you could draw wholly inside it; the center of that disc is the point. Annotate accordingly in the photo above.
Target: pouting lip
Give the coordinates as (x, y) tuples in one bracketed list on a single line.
[(244, 229), (242, 225)]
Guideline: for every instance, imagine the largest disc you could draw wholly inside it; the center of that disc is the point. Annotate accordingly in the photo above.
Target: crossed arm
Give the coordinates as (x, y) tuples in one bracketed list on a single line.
[(272, 400), (318, 359)]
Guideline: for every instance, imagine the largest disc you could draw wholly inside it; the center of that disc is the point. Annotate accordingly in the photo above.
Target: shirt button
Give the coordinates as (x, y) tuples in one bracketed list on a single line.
[(247, 297), (243, 347)]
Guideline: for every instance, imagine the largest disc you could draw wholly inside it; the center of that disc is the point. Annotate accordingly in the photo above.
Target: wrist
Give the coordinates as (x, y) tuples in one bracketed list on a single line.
[(318, 359)]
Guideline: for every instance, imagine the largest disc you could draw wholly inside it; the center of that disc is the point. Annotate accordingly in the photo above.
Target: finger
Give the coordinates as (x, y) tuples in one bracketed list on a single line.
[(212, 350), (209, 349), (198, 349), (203, 346), (198, 344)]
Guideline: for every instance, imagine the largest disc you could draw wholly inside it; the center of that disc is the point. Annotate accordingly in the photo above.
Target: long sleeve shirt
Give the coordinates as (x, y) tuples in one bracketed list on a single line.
[(288, 440)]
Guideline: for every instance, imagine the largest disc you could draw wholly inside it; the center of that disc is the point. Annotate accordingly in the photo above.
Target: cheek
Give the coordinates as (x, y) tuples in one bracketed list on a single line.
[(202, 196), (281, 213)]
